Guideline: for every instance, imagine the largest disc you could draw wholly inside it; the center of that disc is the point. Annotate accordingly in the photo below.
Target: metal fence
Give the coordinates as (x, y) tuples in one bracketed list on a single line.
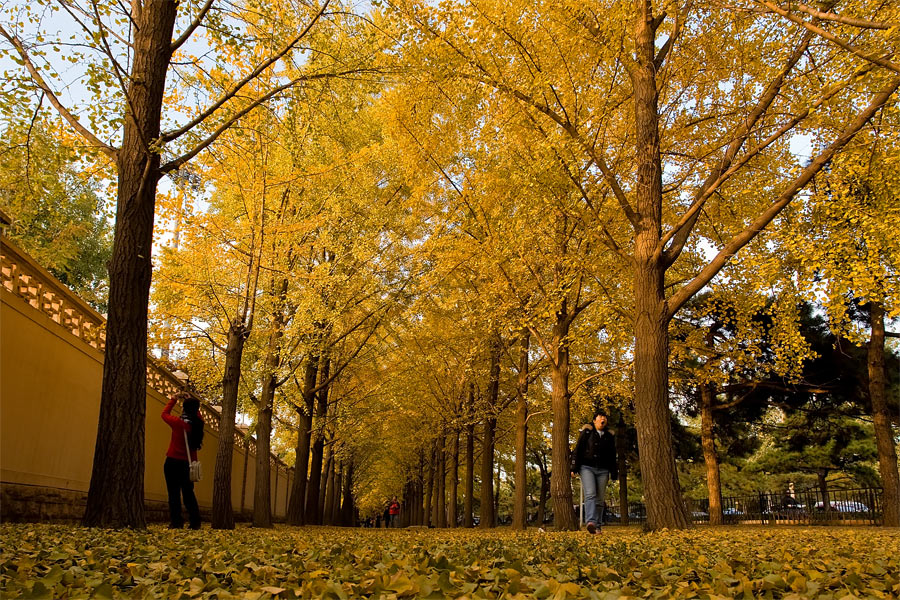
[(861, 506)]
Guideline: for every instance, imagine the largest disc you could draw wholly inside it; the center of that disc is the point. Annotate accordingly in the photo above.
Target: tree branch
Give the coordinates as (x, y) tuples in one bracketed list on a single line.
[(172, 135), (677, 300), (682, 231), (192, 27), (878, 60), (178, 162), (62, 110), (827, 16)]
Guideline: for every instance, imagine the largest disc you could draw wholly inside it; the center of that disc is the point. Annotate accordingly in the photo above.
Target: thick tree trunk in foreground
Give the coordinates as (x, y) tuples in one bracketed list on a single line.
[(297, 503), (661, 487), (884, 436), (560, 480), (222, 513), (520, 511), (708, 439), (623, 470), (116, 493)]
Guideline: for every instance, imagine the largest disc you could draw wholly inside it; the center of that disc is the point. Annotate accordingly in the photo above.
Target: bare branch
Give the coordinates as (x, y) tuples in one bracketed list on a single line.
[(192, 27), (51, 96), (172, 135)]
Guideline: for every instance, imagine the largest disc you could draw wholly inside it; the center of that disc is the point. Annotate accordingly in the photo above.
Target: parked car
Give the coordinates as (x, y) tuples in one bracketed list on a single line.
[(732, 512), (844, 506)]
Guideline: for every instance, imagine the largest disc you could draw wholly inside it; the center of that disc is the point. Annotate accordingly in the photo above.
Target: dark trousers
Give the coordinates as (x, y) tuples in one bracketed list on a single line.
[(178, 483)]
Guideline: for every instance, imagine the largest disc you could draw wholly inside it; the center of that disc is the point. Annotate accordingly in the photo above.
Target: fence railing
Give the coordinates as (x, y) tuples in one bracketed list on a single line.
[(860, 506)]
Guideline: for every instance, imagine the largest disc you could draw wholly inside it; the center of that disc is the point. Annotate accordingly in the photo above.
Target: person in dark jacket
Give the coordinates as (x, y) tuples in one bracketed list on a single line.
[(595, 462), (177, 465)]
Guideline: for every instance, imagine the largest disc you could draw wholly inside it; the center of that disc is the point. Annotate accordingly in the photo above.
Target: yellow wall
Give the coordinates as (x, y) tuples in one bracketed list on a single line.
[(49, 405)]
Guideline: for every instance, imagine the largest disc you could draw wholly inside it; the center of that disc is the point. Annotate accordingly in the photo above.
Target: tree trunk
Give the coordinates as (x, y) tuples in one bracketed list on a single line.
[(333, 500), (297, 504), (116, 493), (313, 514), (496, 496), (623, 470), (486, 513), (262, 501), (708, 439), (222, 514), (520, 515), (441, 483), (469, 483), (665, 507), (347, 505), (560, 481), (545, 492), (488, 518), (454, 482), (822, 476), (884, 436), (429, 488), (326, 493)]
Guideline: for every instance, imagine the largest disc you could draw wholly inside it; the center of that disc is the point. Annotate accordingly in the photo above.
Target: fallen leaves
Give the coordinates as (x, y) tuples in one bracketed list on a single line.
[(58, 561)]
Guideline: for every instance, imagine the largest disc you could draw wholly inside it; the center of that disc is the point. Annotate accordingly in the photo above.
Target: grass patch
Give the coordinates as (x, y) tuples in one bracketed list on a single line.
[(61, 561)]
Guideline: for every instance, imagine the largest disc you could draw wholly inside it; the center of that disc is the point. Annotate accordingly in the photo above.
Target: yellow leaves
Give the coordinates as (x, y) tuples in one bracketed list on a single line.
[(291, 563)]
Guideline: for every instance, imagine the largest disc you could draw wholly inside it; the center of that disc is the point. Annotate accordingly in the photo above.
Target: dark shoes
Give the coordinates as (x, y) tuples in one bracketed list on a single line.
[(591, 528)]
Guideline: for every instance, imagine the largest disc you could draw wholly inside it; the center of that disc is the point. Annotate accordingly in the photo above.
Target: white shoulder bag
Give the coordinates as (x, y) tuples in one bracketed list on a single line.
[(195, 471)]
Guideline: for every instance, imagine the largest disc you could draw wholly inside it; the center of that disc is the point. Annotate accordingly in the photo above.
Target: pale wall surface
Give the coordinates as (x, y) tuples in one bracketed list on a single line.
[(50, 383)]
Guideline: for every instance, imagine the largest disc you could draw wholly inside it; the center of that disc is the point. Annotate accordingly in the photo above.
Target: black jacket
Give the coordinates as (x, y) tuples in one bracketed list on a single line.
[(594, 450)]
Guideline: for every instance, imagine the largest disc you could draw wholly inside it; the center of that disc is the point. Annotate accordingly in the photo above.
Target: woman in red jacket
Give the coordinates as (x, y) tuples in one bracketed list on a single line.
[(177, 465)]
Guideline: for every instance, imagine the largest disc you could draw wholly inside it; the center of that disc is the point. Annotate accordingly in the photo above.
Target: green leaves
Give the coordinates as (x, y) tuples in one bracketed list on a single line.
[(41, 561)]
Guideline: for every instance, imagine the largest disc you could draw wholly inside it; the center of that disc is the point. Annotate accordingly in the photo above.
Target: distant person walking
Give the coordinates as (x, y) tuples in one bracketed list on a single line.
[(177, 465), (394, 512), (595, 462)]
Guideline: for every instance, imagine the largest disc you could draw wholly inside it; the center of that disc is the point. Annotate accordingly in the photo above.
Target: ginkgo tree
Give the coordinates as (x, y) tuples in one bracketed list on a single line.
[(128, 52), (672, 109)]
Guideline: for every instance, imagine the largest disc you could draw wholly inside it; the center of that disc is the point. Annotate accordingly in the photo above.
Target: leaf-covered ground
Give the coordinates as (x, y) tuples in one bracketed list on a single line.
[(59, 561)]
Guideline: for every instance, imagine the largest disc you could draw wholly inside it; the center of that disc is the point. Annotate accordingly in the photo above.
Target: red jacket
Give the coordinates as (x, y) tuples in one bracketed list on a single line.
[(176, 444)]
